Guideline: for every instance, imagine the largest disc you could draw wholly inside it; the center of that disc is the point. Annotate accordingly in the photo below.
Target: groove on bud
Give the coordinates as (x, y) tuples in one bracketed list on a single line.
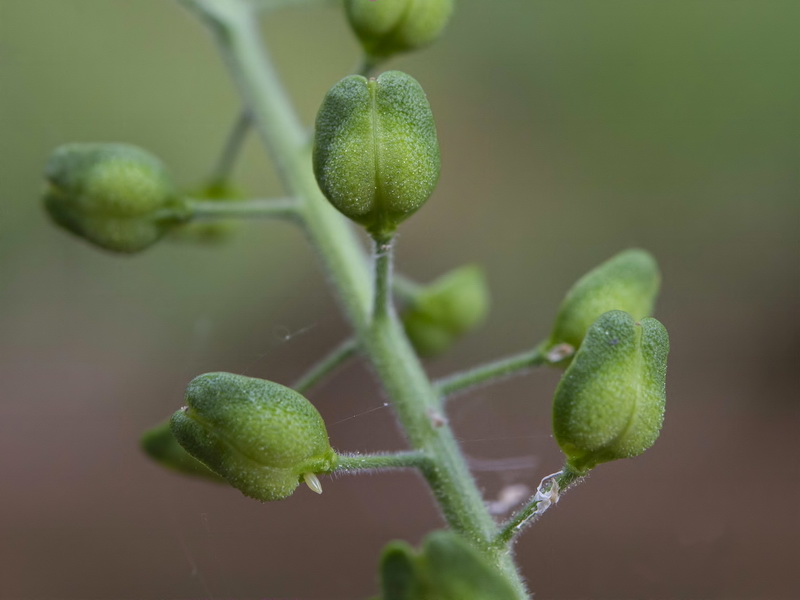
[(446, 309), (262, 437), (628, 281), (387, 27), (118, 197), (447, 568), (376, 155), (610, 401)]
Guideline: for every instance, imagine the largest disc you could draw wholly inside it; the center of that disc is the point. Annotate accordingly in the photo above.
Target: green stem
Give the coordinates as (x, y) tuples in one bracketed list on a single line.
[(279, 208), (232, 149), (352, 463), (534, 509), (483, 374), (368, 65), (384, 342), (326, 366), (383, 278)]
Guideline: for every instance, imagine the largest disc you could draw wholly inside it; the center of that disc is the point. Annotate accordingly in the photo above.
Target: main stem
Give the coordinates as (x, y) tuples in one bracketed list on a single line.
[(383, 339)]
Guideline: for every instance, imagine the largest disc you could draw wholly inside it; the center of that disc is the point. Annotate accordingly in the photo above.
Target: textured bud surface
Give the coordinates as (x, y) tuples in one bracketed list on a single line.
[(610, 401), (376, 155), (447, 309), (628, 281), (386, 27), (260, 436), (109, 194), (447, 568)]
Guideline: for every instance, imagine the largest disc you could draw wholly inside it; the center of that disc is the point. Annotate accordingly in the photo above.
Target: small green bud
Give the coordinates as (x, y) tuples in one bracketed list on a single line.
[(386, 27), (162, 447), (628, 281), (610, 402), (447, 568), (118, 197), (263, 438), (376, 156), (447, 309), (213, 231)]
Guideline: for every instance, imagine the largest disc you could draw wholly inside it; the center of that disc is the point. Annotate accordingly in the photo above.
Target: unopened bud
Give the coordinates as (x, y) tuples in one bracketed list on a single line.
[(116, 196), (386, 27), (628, 281), (610, 401), (376, 155), (262, 437)]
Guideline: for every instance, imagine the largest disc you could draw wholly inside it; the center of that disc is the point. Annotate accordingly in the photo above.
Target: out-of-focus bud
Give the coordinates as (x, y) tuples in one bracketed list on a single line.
[(386, 27), (376, 155), (447, 309), (448, 568), (162, 447), (628, 281), (116, 196), (262, 437), (610, 401), (212, 231)]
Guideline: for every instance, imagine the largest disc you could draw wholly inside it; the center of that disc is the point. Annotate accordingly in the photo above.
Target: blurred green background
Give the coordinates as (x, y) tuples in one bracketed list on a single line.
[(569, 131)]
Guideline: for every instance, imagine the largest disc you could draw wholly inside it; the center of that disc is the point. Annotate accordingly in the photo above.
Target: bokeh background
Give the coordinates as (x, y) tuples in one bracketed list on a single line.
[(569, 131)]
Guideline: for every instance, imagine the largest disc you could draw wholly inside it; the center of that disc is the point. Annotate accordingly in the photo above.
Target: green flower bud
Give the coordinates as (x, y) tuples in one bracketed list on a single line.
[(263, 438), (610, 402), (376, 156), (386, 27), (447, 309), (162, 447), (448, 568), (116, 196), (628, 281), (213, 231)]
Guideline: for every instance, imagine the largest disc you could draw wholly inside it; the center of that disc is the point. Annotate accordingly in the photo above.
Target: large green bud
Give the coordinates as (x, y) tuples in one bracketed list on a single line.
[(116, 196), (376, 156), (628, 281), (446, 309), (610, 402), (447, 568), (386, 27), (263, 438)]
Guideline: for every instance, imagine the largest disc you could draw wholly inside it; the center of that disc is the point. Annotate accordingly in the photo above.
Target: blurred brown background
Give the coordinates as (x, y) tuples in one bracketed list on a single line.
[(569, 131)]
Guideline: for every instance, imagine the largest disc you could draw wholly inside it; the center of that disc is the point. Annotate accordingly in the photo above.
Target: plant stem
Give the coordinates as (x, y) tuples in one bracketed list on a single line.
[(351, 463), (383, 340), (279, 208), (233, 146), (383, 278), (531, 512), (483, 374), (327, 365)]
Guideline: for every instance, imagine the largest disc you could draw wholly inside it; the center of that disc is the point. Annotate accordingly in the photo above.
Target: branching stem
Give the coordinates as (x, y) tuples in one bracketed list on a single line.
[(352, 463), (383, 340), (232, 149), (337, 357), (550, 489), (484, 374)]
